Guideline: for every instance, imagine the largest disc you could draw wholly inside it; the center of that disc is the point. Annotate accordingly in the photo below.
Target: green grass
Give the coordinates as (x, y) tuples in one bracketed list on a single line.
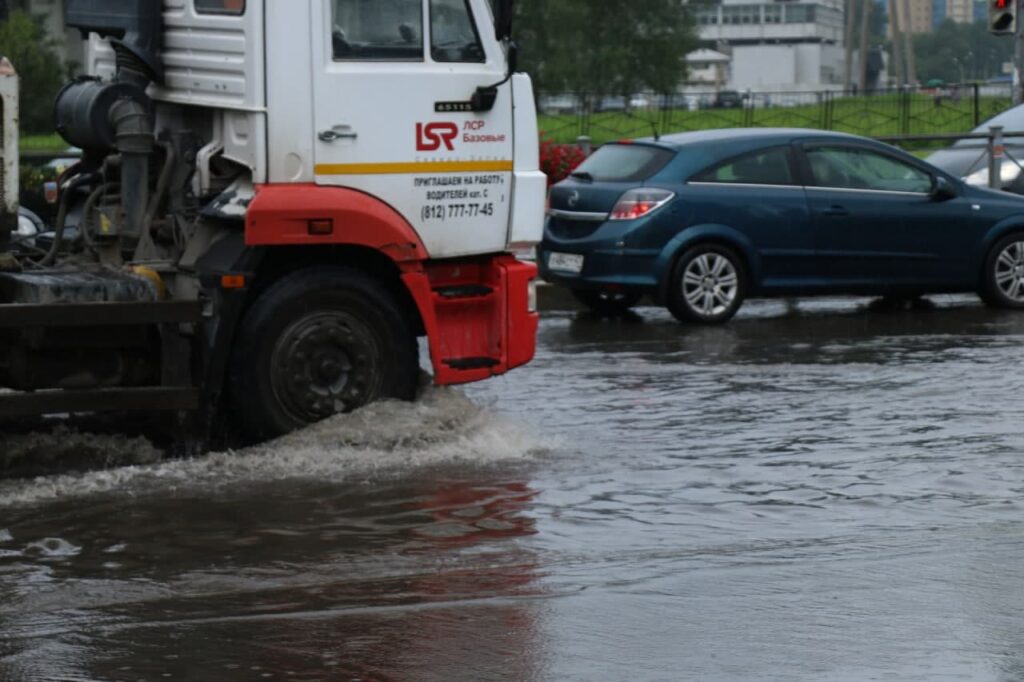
[(884, 115), (42, 143)]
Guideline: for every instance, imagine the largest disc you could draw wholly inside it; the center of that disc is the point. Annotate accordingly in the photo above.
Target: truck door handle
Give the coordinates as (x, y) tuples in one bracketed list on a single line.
[(346, 133), (835, 210)]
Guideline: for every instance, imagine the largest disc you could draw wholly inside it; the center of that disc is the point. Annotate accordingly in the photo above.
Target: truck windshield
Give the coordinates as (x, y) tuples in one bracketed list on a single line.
[(453, 36), (377, 29)]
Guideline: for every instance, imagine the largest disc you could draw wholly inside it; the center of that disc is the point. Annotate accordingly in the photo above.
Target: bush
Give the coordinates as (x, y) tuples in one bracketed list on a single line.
[(558, 160), (24, 41)]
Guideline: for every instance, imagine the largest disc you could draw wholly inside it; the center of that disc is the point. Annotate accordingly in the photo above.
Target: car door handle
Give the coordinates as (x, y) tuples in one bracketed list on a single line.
[(338, 133), (835, 210)]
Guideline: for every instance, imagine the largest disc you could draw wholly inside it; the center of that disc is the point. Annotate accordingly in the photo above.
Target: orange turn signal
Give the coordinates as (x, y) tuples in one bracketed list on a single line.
[(232, 281)]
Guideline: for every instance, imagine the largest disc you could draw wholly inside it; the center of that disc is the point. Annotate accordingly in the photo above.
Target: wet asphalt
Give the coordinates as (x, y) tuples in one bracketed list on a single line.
[(818, 490)]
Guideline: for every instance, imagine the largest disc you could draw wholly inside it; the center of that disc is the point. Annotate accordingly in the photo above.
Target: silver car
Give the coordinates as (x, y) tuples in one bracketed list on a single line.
[(968, 159)]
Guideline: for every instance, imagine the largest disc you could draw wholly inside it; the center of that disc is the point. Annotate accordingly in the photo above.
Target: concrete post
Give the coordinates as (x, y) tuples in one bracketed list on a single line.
[(995, 157)]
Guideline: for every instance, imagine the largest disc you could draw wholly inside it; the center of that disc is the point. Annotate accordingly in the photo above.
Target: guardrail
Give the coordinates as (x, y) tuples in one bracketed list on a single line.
[(904, 111)]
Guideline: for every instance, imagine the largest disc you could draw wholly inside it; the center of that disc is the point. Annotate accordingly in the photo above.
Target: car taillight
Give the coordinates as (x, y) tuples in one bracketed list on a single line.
[(637, 203)]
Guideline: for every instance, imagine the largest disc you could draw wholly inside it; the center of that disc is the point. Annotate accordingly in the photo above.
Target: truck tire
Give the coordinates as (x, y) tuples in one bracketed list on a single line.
[(316, 343)]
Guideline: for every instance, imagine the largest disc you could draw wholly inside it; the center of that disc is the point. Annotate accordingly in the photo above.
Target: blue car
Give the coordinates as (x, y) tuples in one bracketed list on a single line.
[(700, 221)]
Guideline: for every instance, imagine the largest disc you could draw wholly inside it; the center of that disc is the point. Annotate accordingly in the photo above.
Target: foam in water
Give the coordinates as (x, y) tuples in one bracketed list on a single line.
[(52, 548), (382, 438)]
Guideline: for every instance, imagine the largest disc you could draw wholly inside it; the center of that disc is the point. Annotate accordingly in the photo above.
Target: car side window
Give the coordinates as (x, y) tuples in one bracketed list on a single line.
[(764, 167), (849, 168), (377, 30), (453, 36)]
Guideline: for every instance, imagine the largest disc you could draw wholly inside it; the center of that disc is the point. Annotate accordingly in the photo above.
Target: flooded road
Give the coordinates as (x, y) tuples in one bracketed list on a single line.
[(810, 492)]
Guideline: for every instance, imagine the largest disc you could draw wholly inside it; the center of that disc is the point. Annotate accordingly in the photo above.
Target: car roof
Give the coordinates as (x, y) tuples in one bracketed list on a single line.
[(1011, 119), (703, 148), (759, 135)]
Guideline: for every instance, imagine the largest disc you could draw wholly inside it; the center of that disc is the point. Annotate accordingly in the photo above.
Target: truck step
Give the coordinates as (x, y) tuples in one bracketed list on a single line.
[(146, 399), (464, 291), (471, 363)]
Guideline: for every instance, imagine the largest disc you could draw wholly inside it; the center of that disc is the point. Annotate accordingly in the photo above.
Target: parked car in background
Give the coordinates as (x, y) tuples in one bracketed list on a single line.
[(610, 103), (968, 159), (558, 104), (639, 102), (703, 220), (727, 99)]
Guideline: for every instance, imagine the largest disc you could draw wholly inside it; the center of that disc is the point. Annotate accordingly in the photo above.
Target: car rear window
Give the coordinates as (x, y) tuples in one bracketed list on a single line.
[(625, 162)]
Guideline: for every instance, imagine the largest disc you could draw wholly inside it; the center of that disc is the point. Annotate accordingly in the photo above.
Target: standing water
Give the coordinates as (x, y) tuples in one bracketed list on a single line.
[(821, 492)]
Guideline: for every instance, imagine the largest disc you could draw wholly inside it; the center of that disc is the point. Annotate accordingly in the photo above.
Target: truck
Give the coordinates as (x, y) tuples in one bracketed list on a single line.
[(275, 201)]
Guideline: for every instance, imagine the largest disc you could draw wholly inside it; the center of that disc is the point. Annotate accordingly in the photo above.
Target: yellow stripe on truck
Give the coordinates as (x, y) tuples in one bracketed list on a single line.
[(414, 167)]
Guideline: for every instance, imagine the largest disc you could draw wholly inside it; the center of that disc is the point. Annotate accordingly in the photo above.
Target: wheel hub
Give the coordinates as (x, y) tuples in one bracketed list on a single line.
[(710, 284), (323, 364)]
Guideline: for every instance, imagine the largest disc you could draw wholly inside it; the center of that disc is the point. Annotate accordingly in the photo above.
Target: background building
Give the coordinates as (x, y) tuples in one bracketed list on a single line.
[(708, 68), (777, 46), (917, 16)]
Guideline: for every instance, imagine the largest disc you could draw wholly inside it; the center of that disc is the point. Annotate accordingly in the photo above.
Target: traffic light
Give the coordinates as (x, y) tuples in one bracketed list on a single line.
[(1002, 16)]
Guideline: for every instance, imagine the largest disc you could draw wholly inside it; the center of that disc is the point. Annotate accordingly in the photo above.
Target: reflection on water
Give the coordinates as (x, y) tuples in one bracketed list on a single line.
[(814, 491), (352, 580)]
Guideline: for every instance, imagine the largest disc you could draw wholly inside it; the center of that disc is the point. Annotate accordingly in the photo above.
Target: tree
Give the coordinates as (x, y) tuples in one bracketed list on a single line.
[(961, 52), (606, 46), (24, 41)]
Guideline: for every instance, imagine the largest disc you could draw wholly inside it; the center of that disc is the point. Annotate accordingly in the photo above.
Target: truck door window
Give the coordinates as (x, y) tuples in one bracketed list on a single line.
[(220, 6), (375, 30), (453, 34)]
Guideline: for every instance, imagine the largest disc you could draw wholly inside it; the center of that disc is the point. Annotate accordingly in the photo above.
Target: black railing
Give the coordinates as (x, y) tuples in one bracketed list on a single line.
[(876, 113)]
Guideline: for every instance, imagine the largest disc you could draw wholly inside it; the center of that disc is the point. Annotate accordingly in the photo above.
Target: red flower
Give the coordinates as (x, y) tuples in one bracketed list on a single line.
[(558, 160)]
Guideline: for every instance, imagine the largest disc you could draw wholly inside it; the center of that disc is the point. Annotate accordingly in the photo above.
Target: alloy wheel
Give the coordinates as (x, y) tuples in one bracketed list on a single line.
[(710, 284), (1009, 271)]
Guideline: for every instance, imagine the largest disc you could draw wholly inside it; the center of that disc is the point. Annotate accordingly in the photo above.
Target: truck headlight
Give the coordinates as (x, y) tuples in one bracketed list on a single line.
[(531, 296)]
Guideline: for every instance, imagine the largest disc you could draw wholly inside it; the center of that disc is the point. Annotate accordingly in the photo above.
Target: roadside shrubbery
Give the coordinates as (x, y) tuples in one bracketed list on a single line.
[(558, 160)]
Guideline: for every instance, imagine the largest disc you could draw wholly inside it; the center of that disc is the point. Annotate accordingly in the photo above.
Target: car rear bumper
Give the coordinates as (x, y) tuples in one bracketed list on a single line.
[(602, 267)]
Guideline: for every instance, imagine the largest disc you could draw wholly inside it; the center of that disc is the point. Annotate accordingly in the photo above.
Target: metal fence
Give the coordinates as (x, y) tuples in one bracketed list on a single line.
[(877, 113)]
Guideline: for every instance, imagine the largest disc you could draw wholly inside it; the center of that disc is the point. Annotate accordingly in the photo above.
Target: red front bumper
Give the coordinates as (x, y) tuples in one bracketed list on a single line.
[(477, 315)]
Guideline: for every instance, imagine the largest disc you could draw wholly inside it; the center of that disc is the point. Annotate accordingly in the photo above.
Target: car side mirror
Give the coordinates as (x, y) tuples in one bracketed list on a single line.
[(942, 189)]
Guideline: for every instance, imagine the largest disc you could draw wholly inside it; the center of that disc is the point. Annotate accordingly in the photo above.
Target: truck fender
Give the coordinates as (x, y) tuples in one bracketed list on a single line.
[(709, 232), (308, 214)]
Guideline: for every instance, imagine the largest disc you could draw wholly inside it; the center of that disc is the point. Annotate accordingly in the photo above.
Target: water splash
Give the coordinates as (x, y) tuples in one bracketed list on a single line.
[(382, 439)]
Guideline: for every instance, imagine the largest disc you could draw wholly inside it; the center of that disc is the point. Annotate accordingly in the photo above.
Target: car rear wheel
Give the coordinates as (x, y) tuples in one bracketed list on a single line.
[(708, 285), (1003, 286), (604, 302)]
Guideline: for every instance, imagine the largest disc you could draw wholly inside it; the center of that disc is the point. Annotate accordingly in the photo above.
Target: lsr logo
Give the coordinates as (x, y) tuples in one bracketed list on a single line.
[(430, 136)]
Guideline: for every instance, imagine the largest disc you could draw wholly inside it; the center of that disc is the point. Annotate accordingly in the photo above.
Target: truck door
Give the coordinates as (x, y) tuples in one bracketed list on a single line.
[(392, 86)]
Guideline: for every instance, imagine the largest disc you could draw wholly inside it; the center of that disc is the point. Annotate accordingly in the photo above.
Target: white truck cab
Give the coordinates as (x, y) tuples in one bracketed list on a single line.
[(286, 193)]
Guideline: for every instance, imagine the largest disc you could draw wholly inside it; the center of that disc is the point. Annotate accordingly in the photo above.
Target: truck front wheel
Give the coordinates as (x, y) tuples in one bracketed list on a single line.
[(316, 343)]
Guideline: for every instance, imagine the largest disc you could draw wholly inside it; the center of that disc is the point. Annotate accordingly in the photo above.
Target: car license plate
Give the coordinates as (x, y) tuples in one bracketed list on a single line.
[(568, 262)]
